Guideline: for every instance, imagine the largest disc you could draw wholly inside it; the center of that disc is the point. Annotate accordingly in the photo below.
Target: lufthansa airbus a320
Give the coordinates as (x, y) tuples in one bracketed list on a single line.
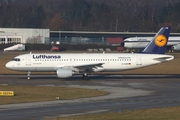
[(66, 65)]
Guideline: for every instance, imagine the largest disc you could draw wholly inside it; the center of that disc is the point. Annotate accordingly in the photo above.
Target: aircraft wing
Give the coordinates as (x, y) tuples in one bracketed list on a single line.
[(91, 67), (88, 65), (84, 66)]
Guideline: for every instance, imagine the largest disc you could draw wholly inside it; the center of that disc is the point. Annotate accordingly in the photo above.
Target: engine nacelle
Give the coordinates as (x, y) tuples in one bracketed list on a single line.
[(64, 73), (98, 69), (176, 47)]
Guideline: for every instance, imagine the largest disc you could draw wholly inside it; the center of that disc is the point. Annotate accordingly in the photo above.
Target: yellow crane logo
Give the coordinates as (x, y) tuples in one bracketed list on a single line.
[(160, 40)]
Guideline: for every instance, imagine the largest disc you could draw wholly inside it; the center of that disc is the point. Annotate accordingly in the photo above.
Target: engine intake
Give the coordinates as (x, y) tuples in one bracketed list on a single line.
[(176, 47)]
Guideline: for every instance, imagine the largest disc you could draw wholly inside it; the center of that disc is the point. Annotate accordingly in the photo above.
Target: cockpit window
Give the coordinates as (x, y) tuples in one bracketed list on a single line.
[(16, 59)]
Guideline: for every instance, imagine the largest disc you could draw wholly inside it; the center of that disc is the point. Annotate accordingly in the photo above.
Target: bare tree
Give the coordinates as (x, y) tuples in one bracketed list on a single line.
[(90, 15), (34, 40), (56, 22)]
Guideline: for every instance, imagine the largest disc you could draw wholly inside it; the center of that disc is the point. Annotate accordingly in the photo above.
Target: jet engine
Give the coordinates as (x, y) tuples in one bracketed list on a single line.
[(64, 73), (98, 69), (176, 47)]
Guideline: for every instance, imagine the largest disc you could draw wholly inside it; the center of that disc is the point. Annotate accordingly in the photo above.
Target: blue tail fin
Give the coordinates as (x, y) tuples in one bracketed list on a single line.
[(159, 42)]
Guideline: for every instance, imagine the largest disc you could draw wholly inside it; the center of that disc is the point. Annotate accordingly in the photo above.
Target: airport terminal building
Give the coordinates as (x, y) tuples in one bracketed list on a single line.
[(45, 36), (22, 35)]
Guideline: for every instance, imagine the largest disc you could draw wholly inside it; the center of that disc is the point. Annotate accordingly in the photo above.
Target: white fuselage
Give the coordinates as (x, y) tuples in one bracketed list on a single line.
[(142, 42), (110, 62)]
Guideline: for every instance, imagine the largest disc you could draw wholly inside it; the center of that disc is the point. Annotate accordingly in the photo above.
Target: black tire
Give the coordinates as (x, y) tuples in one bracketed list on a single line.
[(85, 77)]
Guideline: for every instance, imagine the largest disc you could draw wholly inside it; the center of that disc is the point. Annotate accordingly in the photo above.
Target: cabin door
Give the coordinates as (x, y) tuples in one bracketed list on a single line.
[(28, 60), (138, 60)]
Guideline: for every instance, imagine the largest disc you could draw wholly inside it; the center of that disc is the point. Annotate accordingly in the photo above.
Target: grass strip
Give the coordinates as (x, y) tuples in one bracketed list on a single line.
[(25, 94), (167, 113)]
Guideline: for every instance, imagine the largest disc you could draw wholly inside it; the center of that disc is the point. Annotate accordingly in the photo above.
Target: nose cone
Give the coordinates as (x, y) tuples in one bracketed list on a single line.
[(127, 39), (8, 65), (124, 43)]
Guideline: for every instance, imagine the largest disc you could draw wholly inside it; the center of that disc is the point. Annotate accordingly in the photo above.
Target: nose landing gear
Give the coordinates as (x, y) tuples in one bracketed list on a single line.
[(28, 75), (85, 76)]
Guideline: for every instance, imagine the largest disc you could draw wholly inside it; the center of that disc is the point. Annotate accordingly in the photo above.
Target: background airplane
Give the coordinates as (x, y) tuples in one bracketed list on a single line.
[(18, 47), (141, 42), (66, 65)]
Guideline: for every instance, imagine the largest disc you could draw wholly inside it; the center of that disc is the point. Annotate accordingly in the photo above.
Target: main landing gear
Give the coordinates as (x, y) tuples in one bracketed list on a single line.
[(85, 76), (28, 75)]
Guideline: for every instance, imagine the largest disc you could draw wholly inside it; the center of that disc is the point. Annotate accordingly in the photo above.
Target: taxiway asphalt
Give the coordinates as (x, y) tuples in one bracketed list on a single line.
[(127, 92)]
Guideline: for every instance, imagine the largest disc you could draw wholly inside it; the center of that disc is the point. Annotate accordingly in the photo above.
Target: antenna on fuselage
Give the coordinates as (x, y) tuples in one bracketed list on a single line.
[(30, 52)]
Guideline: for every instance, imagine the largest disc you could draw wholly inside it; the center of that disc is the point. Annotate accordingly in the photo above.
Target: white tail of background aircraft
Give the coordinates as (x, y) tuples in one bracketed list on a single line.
[(19, 47), (66, 65)]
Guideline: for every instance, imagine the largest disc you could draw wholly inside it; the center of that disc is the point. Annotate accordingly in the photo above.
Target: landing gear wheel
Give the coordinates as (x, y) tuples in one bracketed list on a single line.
[(28, 78), (85, 76), (28, 75)]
